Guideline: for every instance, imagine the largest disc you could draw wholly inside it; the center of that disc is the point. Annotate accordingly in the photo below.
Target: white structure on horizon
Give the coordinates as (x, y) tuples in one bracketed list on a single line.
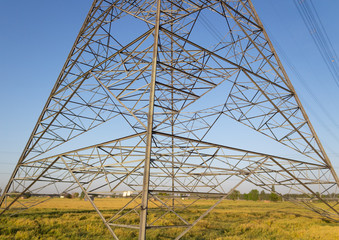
[(127, 193)]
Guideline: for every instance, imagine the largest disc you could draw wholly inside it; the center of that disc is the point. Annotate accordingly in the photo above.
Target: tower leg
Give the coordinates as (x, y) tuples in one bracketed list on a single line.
[(146, 177)]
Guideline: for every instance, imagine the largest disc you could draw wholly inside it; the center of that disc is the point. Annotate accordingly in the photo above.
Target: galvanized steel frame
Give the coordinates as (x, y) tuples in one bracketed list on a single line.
[(153, 81)]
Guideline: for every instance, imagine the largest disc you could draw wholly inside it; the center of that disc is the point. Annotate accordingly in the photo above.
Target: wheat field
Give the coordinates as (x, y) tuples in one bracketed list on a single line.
[(76, 219)]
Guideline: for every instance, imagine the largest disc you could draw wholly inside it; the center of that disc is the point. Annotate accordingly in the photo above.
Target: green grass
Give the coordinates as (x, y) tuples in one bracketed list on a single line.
[(75, 219)]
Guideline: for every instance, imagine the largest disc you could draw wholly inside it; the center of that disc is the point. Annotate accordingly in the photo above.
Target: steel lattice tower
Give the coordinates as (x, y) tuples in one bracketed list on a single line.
[(171, 85)]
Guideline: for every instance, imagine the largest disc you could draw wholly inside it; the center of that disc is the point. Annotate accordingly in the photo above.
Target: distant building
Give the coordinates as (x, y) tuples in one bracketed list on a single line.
[(127, 194)]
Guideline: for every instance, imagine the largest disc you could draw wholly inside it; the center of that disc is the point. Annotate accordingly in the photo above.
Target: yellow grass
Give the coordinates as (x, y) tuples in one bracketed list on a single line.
[(76, 219)]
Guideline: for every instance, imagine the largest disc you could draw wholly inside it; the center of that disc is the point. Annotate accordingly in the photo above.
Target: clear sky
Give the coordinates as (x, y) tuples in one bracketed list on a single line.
[(36, 37)]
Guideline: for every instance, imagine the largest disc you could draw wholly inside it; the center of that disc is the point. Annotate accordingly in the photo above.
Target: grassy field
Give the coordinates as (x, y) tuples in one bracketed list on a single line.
[(76, 219)]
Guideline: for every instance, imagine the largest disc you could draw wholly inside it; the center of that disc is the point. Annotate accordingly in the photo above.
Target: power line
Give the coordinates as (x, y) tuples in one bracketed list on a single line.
[(314, 97), (303, 82), (282, 53), (319, 35)]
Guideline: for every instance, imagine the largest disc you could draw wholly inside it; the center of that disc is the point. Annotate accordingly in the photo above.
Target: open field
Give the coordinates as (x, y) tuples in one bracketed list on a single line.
[(76, 219)]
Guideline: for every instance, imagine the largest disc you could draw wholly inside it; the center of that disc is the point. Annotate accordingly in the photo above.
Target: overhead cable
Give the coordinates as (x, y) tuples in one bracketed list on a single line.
[(319, 35)]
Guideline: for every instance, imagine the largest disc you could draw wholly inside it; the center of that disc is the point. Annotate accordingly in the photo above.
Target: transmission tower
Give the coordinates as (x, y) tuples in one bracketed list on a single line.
[(171, 81)]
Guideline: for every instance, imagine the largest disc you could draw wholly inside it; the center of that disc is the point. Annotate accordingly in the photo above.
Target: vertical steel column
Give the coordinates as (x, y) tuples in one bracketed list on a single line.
[(172, 107), (145, 188)]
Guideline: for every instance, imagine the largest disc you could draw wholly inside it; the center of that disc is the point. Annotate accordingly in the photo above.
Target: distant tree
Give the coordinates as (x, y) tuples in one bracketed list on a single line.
[(27, 195), (82, 195), (66, 195), (263, 195), (166, 194), (304, 195), (235, 195), (75, 195), (273, 196), (253, 195), (245, 196), (318, 194), (14, 194)]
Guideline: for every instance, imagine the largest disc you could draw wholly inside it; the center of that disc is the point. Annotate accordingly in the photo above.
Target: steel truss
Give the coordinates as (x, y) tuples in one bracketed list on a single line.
[(171, 85)]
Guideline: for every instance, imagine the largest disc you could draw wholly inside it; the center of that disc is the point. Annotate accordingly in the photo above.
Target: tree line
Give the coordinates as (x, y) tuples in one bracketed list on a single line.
[(255, 195)]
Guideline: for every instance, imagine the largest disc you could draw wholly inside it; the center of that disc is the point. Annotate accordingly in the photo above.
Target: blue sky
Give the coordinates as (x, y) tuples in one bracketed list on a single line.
[(36, 37)]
